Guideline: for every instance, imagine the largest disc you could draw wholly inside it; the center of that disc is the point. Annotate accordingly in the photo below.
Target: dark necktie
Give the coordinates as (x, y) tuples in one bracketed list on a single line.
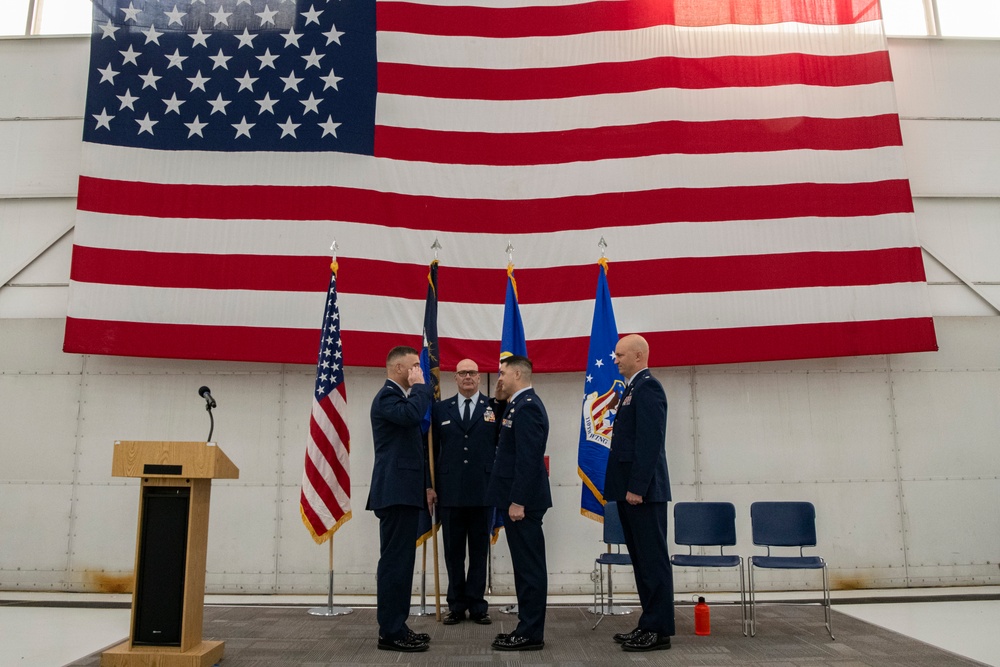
[(467, 412)]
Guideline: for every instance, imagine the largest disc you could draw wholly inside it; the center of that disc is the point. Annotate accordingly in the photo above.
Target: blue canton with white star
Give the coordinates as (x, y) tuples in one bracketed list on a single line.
[(330, 365), (233, 75)]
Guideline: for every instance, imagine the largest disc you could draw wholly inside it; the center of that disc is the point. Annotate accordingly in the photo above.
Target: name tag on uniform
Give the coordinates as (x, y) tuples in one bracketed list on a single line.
[(508, 423), (489, 416), (445, 423)]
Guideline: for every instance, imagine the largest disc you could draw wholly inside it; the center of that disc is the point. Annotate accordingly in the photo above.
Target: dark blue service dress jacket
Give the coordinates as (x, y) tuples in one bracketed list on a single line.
[(399, 476), (519, 469), (637, 461), (464, 452)]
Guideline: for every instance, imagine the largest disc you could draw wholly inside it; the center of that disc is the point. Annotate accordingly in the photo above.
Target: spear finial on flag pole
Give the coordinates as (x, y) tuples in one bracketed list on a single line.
[(603, 261), (435, 247), (510, 253)]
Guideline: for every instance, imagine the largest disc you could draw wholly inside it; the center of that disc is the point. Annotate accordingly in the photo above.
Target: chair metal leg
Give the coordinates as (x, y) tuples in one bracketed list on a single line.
[(600, 587), (753, 602), (743, 599), (611, 593), (826, 602)]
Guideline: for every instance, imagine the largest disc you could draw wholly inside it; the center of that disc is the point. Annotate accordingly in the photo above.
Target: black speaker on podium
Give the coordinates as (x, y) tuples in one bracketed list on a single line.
[(159, 595)]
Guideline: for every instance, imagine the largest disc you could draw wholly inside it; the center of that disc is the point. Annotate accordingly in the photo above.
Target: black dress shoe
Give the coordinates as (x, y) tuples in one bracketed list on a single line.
[(623, 637), (453, 618), (401, 645), (420, 637), (647, 641), (481, 619), (501, 635), (518, 643)]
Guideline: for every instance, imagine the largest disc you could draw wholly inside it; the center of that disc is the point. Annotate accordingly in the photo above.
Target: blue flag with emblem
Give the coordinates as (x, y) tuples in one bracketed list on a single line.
[(602, 390), (430, 364), (512, 340)]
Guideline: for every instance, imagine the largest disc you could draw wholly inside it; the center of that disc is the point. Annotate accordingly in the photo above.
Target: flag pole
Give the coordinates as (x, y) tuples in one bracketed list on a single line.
[(511, 608), (436, 246), (421, 609), (330, 609), (434, 531)]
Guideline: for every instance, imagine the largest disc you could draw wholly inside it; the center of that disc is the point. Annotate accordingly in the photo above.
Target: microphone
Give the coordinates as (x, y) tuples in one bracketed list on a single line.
[(206, 393)]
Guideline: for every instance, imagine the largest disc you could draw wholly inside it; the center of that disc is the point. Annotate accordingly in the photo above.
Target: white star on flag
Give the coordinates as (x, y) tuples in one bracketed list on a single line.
[(103, 119), (130, 55), (219, 105), (243, 128), (108, 74), (175, 16), (267, 104), (127, 100), (195, 127), (221, 17), (131, 13), (288, 128), (329, 127), (246, 39), (312, 16), (152, 36), (266, 16), (145, 124), (173, 104)]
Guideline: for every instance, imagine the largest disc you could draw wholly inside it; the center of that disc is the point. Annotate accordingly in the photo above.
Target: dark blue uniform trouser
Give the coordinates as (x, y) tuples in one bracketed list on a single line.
[(645, 527), (531, 579), (466, 526), (398, 527)]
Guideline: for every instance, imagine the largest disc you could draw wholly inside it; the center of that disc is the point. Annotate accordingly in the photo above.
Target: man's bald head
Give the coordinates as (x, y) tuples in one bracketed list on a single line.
[(631, 354)]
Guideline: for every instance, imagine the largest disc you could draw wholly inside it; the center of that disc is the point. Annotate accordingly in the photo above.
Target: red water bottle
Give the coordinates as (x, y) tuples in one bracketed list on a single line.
[(702, 622)]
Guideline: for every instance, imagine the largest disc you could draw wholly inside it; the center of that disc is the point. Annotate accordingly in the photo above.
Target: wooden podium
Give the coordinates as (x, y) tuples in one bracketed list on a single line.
[(168, 597)]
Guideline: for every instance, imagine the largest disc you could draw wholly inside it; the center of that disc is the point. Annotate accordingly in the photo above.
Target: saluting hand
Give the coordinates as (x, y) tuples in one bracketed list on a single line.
[(415, 376)]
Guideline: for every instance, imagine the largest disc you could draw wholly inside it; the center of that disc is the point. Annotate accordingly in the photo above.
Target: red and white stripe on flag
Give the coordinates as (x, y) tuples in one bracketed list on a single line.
[(326, 479), (742, 158)]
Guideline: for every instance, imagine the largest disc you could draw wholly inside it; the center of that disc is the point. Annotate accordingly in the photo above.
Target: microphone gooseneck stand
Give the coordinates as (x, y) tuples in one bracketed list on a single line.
[(211, 421)]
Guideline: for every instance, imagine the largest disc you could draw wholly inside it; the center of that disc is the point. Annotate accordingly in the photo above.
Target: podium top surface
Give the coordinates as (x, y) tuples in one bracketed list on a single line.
[(145, 458)]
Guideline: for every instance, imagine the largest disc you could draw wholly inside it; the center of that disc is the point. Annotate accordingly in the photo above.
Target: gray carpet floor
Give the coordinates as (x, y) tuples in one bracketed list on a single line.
[(787, 636)]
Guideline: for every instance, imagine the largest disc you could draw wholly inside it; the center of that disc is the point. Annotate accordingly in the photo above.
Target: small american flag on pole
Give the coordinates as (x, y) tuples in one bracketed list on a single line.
[(326, 479)]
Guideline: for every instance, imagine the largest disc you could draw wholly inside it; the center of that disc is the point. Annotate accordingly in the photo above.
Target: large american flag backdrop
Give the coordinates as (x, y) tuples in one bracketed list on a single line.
[(742, 158)]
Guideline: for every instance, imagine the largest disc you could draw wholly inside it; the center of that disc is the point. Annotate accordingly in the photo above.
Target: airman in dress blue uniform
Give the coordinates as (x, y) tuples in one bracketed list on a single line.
[(637, 478)]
